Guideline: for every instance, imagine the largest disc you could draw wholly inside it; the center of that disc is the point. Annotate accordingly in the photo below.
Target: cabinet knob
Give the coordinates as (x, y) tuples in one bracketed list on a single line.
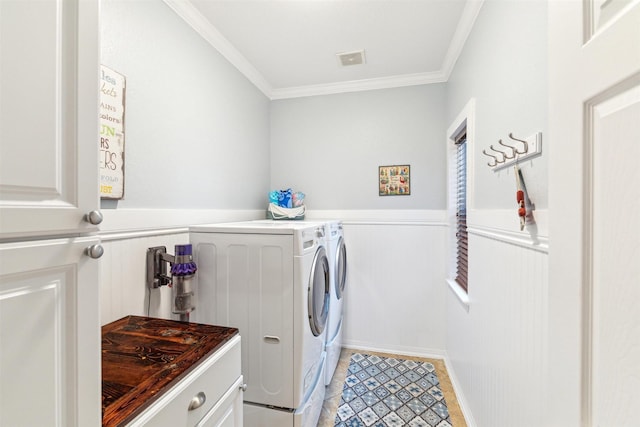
[(197, 401), (93, 217), (95, 251), (243, 387)]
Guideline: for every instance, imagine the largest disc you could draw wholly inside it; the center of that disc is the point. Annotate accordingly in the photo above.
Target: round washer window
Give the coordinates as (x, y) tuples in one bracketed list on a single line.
[(341, 268), (318, 292)]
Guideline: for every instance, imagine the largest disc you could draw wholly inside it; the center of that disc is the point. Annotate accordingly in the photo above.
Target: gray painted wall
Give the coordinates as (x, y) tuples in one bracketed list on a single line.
[(330, 147), (495, 344), (504, 66), (197, 131), (200, 135)]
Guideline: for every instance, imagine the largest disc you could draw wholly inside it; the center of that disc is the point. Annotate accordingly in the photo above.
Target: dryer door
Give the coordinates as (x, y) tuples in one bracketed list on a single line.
[(340, 268), (318, 292)]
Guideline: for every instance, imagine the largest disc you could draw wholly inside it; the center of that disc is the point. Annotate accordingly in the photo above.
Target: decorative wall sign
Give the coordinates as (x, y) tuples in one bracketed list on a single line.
[(111, 138), (394, 180)]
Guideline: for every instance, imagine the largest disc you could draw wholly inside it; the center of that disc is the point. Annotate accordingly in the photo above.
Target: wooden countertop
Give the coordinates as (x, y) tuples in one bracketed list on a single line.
[(143, 357)]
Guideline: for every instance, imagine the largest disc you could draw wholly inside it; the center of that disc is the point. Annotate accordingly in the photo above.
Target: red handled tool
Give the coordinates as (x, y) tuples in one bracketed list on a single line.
[(522, 211)]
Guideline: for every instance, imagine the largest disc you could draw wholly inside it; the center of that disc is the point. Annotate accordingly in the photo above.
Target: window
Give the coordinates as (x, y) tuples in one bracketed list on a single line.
[(460, 200), (462, 254)]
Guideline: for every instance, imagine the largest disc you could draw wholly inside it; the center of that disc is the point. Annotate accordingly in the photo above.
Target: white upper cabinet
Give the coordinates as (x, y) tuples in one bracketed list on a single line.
[(49, 65)]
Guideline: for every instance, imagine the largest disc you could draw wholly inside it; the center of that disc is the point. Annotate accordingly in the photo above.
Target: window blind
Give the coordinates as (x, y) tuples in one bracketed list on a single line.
[(462, 248)]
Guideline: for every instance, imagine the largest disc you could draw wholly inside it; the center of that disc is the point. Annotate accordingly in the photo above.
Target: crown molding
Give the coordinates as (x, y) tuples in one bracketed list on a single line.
[(359, 85), (185, 10), (465, 25)]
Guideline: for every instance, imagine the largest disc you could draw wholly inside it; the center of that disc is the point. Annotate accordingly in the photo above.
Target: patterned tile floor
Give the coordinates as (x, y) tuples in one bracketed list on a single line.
[(334, 390)]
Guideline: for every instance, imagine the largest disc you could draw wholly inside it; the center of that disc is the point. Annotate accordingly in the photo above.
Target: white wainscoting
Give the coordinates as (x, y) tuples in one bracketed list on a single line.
[(123, 289), (395, 295), (397, 299), (126, 234), (497, 349), (137, 220)]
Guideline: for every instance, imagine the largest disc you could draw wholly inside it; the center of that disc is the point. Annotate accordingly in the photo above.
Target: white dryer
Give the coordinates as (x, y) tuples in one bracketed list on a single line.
[(272, 282), (337, 251)]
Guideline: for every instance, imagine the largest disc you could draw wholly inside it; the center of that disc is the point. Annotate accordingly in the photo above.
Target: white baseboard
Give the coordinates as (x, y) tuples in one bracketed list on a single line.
[(400, 350), (457, 389)]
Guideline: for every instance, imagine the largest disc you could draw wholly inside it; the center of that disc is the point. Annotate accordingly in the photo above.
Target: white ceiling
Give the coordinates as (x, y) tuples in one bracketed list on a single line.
[(288, 48)]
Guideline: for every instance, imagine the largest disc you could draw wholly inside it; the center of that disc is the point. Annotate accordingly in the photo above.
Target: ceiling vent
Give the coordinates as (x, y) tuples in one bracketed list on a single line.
[(351, 58)]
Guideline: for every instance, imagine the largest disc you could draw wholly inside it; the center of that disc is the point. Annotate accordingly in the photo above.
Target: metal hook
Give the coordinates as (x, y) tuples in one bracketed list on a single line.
[(495, 159), (513, 149), (500, 152), (504, 155), (526, 144)]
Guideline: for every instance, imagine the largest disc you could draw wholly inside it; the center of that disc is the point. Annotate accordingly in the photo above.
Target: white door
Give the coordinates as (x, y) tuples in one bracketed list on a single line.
[(49, 334), (594, 189), (49, 59)]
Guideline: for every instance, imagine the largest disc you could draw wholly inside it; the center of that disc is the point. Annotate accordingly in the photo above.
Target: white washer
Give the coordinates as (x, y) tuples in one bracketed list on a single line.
[(271, 281), (337, 255), (337, 251), (322, 227)]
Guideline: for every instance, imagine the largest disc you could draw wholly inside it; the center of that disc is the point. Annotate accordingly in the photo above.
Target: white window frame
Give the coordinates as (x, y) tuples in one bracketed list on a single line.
[(465, 119)]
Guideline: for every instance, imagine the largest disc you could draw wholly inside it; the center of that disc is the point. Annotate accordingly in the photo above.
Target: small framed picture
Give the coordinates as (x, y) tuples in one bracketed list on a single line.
[(394, 180)]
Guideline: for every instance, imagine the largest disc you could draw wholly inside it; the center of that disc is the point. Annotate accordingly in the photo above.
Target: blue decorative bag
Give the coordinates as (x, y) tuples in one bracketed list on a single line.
[(286, 204)]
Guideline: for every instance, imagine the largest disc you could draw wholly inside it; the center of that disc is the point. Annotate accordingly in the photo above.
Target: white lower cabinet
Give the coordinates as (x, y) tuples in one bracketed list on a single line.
[(228, 411), (49, 334), (210, 395)]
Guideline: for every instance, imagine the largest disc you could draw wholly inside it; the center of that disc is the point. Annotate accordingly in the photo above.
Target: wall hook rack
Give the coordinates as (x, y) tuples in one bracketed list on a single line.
[(526, 144), (514, 151), (496, 161), (531, 147), (505, 157)]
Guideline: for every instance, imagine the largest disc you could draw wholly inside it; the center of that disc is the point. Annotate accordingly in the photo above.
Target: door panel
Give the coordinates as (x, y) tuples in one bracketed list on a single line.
[(601, 13), (594, 111), (227, 412), (48, 116), (614, 339), (49, 334)]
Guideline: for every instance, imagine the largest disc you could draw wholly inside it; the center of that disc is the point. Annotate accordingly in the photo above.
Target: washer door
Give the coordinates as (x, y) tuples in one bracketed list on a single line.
[(340, 268), (318, 292)]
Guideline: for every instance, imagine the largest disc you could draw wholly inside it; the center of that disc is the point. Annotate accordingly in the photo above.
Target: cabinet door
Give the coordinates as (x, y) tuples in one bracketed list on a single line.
[(49, 70), (228, 411), (49, 334)]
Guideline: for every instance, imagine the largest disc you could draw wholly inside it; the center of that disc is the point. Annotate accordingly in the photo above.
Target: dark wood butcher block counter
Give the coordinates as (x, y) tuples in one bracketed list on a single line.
[(143, 357)]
